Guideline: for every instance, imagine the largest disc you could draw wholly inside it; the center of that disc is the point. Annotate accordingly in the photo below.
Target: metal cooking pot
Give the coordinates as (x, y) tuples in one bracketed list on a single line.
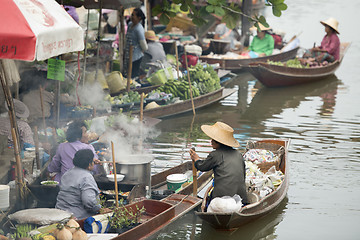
[(137, 170)]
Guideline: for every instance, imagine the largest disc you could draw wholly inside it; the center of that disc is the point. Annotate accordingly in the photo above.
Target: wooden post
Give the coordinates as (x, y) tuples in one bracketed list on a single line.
[(190, 89), (43, 115), (37, 155), (129, 69), (121, 34), (142, 106), (177, 60), (115, 178)]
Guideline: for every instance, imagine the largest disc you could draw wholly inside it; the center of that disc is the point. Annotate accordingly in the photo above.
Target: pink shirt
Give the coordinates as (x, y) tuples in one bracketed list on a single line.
[(332, 45)]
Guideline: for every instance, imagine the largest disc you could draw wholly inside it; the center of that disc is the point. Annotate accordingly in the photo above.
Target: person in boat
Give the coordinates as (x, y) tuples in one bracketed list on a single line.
[(226, 162), (155, 48), (25, 133), (329, 50), (77, 139), (222, 32), (135, 36), (79, 193), (262, 44)]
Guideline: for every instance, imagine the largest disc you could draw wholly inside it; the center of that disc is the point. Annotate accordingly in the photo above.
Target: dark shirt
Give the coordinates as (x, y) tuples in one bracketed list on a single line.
[(229, 172)]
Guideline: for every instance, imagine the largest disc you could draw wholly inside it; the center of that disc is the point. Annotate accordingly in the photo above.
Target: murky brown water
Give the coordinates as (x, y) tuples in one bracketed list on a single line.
[(322, 120)]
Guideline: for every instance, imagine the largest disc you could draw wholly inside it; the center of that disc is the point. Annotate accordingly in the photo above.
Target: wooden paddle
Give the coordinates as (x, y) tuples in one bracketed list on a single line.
[(115, 178), (188, 75), (177, 60), (129, 69)]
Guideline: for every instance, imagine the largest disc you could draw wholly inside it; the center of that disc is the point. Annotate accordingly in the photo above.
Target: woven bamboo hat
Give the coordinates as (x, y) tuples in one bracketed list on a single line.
[(333, 23), (150, 35), (21, 110), (222, 133), (152, 105), (262, 28)]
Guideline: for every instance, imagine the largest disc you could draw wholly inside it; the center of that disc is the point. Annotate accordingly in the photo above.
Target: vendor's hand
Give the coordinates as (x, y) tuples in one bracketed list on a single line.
[(97, 161), (262, 54), (194, 155)]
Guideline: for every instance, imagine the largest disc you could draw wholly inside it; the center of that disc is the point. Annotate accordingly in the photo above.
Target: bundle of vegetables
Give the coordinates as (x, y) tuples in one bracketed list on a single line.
[(127, 97), (293, 63), (203, 80)]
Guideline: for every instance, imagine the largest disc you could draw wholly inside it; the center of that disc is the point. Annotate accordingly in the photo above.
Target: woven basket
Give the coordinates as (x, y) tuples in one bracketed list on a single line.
[(278, 150)]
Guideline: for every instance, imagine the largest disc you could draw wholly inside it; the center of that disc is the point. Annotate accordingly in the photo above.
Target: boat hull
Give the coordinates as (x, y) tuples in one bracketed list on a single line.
[(253, 211), (238, 64), (186, 106)]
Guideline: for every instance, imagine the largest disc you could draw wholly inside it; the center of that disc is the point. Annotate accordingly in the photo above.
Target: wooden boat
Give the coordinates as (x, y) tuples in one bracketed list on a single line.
[(237, 64), (158, 214), (281, 76), (255, 210), (186, 106)]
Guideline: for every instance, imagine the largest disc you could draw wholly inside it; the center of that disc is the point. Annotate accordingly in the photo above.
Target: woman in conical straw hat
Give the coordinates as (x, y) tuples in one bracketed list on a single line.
[(226, 162), (329, 50)]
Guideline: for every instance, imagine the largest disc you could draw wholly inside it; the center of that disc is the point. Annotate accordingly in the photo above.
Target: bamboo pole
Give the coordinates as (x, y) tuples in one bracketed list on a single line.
[(37, 155), (15, 136), (129, 69), (115, 178), (177, 60), (142, 106), (43, 115), (188, 75)]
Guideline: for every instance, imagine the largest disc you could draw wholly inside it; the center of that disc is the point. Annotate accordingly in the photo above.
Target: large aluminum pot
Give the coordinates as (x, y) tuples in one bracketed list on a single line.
[(137, 169)]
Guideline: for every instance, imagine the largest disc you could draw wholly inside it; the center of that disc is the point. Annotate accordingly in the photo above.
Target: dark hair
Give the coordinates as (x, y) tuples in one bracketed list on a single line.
[(221, 144), (83, 158), (139, 13), (74, 131)]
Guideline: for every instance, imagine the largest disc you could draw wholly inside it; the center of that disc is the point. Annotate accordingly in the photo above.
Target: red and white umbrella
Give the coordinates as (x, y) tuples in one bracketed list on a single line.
[(37, 29)]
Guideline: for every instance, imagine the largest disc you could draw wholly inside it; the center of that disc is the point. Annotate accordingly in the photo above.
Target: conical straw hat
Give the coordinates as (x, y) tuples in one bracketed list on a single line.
[(222, 133), (333, 23)]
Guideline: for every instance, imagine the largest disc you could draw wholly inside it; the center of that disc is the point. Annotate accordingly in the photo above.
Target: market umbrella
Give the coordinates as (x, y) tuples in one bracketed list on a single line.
[(37, 30), (33, 30)]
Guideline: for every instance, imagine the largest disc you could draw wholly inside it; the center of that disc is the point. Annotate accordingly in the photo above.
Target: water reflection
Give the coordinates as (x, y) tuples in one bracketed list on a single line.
[(191, 227)]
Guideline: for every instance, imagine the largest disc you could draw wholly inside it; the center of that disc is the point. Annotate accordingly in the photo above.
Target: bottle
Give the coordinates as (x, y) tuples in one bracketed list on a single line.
[(147, 192)]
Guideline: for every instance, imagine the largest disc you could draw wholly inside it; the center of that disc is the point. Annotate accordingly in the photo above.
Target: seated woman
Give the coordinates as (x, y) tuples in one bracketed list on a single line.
[(79, 193), (329, 50), (262, 44), (76, 140), (226, 162)]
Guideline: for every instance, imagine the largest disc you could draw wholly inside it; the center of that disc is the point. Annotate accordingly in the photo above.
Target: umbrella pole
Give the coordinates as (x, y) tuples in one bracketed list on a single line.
[(37, 155), (115, 178), (43, 114), (190, 89), (98, 40), (85, 50)]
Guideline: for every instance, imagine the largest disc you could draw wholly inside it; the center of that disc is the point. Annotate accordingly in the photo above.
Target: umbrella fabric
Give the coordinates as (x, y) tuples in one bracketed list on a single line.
[(37, 29)]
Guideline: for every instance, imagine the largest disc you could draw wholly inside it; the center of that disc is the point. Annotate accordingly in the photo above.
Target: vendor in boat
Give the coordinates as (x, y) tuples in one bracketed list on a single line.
[(76, 137), (329, 50), (226, 162), (155, 48), (262, 44), (25, 133), (222, 32), (79, 193)]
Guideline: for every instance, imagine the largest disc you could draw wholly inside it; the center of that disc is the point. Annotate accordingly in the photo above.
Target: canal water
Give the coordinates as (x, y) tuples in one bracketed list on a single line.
[(321, 119)]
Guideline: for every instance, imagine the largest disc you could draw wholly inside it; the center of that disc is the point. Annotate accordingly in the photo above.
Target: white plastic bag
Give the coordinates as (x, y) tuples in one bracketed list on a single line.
[(225, 204)]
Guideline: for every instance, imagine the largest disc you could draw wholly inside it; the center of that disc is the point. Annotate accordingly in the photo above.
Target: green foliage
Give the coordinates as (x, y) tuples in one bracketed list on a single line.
[(229, 12), (293, 63)]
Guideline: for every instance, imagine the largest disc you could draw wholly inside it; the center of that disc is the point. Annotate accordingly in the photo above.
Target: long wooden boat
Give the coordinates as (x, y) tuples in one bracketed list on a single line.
[(158, 214), (186, 106), (236, 64), (252, 211), (281, 76)]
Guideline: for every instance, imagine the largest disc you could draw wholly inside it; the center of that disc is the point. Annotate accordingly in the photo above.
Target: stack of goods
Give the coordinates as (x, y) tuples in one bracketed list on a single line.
[(204, 80)]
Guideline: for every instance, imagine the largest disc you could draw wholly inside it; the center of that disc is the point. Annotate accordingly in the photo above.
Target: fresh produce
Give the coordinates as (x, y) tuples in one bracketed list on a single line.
[(203, 80), (22, 231), (79, 234), (63, 233), (72, 225), (131, 96), (294, 63)]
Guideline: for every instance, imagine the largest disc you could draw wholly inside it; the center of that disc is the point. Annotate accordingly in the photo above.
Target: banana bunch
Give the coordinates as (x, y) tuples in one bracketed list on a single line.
[(180, 88)]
